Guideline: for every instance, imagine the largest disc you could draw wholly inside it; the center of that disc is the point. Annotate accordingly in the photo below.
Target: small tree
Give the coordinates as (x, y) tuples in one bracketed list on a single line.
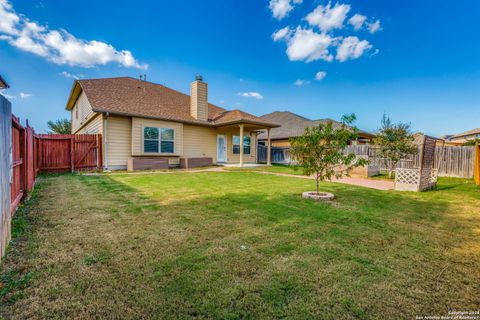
[(472, 142), (395, 142), (61, 126), (320, 151)]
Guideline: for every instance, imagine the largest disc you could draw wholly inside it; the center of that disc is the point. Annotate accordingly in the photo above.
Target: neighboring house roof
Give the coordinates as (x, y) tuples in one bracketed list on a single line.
[(3, 83), (134, 97), (293, 125), (466, 133)]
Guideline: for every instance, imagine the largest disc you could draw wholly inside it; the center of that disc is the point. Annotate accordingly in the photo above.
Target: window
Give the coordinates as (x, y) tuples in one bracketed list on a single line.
[(236, 144), (158, 140)]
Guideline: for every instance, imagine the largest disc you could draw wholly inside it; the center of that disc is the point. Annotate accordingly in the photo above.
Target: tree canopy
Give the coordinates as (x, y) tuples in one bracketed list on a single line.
[(395, 142), (61, 126), (320, 151)]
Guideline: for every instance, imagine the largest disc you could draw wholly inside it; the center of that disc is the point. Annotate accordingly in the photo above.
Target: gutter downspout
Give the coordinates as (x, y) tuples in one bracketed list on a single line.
[(105, 142)]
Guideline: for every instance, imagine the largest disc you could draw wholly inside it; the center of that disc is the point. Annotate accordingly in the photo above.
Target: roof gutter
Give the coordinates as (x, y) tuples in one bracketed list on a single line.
[(198, 123)]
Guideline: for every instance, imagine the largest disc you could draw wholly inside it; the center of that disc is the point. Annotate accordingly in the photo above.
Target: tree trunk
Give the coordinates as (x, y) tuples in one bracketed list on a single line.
[(316, 182)]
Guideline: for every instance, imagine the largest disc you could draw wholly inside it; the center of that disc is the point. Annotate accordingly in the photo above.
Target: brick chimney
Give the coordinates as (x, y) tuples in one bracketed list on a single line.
[(199, 99)]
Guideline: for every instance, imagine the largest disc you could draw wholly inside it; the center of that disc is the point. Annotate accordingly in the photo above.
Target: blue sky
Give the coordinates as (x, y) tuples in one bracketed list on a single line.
[(414, 60)]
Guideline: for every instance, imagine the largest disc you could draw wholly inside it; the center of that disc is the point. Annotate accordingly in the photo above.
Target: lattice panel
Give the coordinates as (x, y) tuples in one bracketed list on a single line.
[(407, 176), (433, 176)]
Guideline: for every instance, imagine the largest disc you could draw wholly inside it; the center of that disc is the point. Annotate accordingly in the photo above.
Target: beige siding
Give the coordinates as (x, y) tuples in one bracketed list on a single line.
[(200, 142), (138, 124), (94, 126), (279, 143), (118, 141), (199, 100), (81, 112), (235, 158)]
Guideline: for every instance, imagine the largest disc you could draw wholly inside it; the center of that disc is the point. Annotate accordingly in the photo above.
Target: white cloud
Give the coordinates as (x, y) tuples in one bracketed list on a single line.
[(6, 95), (58, 46), (8, 18), (300, 82), (255, 95), (281, 8), (352, 48), (24, 95), (308, 45), (320, 75), (69, 75), (374, 27), (357, 21), (281, 34), (327, 18)]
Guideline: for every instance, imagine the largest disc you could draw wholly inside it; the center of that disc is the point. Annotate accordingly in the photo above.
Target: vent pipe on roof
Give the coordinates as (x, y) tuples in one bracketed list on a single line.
[(199, 99)]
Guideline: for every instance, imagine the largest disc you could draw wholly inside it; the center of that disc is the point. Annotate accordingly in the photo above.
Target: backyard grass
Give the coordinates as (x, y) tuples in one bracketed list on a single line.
[(274, 168), (231, 245)]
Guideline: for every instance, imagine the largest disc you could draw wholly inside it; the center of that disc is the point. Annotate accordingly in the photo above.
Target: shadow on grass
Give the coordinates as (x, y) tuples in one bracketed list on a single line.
[(233, 245)]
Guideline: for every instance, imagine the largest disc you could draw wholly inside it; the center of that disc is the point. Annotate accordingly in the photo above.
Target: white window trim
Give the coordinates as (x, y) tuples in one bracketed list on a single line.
[(244, 136), (159, 140)]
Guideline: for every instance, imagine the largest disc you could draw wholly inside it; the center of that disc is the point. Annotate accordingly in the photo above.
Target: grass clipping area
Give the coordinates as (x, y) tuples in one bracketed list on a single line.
[(236, 245)]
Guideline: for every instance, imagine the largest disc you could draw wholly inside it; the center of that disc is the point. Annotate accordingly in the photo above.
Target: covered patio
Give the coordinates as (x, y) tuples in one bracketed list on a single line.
[(237, 140)]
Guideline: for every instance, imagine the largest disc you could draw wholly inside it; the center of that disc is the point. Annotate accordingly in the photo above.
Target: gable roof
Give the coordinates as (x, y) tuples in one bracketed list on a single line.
[(293, 125), (134, 97), (3, 83), (466, 133)]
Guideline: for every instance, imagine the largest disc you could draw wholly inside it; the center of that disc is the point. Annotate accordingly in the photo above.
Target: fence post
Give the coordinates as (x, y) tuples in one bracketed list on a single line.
[(72, 153), (477, 164), (99, 151)]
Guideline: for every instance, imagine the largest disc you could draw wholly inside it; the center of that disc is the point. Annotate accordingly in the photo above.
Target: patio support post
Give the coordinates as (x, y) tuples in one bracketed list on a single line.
[(241, 145), (269, 148)]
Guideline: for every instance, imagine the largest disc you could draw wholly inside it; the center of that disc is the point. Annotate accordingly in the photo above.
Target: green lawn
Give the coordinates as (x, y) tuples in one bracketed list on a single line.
[(230, 245), (275, 168)]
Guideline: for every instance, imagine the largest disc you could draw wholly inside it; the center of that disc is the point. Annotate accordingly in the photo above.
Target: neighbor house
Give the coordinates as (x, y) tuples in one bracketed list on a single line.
[(463, 137), (293, 125), (3, 83), (144, 122)]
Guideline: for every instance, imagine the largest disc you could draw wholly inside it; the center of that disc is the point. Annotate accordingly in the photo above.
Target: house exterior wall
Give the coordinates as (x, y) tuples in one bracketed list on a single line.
[(235, 131), (199, 142), (465, 138), (199, 100), (94, 126), (279, 143), (81, 112), (118, 141), (123, 138), (138, 125)]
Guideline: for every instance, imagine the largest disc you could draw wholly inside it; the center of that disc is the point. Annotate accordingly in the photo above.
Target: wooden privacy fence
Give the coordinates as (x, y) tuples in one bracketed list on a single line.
[(5, 173), (69, 152), (477, 164), (23, 154), (450, 161)]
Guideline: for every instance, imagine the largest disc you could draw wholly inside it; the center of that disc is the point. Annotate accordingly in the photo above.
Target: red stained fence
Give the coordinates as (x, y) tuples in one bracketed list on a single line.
[(69, 152), (52, 153), (24, 154)]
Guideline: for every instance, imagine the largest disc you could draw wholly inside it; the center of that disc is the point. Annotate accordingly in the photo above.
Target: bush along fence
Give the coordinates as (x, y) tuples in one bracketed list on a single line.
[(23, 154), (450, 161)]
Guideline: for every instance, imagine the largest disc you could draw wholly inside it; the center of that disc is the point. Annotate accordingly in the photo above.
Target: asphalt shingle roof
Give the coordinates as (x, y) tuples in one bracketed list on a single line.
[(292, 125), (134, 97), (466, 133)]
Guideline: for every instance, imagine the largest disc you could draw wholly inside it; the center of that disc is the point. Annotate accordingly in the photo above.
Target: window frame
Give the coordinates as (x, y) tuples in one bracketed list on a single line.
[(244, 145), (159, 140)]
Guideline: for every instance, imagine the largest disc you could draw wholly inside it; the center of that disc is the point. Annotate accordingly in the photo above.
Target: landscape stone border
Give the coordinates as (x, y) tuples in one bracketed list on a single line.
[(324, 196)]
